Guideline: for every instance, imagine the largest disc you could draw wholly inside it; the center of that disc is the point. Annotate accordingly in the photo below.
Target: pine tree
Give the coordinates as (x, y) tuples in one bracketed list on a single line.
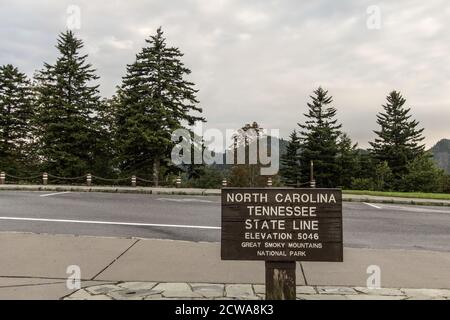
[(347, 159), (105, 148), (154, 100), (193, 170), (16, 112), (319, 140), (399, 139), (382, 176), (290, 162), (70, 131)]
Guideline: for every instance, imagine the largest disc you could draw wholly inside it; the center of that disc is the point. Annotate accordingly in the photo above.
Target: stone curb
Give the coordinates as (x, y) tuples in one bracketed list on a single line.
[(407, 201), (220, 291)]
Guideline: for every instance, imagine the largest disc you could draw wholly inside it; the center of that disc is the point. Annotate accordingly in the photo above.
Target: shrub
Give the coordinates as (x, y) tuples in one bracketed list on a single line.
[(363, 184), (423, 176)]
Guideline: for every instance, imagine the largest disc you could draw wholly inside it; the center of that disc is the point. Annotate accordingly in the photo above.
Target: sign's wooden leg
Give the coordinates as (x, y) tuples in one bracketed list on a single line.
[(280, 280)]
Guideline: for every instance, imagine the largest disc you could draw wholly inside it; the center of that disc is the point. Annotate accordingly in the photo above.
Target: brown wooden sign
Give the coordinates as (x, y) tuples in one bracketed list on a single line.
[(280, 224)]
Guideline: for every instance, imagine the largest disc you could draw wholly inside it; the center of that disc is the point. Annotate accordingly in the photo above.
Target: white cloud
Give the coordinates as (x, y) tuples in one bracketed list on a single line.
[(259, 60), (252, 17), (118, 44)]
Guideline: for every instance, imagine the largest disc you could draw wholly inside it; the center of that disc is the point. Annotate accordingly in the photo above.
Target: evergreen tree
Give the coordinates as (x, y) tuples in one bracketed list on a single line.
[(105, 148), (70, 131), (319, 140), (347, 159), (399, 139), (290, 162), (16, 114), (364, 164), (154, 100), (382, 176), (193, 170)]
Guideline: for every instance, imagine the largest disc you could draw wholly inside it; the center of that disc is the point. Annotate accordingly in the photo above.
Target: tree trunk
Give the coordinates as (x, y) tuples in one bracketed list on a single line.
[(156, 172)]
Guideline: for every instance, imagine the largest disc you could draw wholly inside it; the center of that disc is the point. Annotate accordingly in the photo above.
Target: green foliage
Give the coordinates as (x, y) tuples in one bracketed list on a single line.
[(423, 176), (16, 112), (446, 183), (248, 175), (364, 164), (69, 129), (347, 159), (399, 140), (383, 176), (210, 178), (290, 162), (362, 184), (371, 177), (319, 140), (195, 170), (154, 100), (239, 176)]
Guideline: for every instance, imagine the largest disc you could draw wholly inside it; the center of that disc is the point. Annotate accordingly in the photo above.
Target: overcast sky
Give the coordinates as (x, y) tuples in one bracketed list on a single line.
[(259, 60)]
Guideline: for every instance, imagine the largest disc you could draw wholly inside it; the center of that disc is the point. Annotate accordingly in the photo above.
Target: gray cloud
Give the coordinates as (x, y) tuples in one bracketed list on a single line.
[(260, 60)]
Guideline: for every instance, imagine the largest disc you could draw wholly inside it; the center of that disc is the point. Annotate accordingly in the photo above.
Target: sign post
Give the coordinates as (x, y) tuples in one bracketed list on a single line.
[(280, 280), (281, 226)]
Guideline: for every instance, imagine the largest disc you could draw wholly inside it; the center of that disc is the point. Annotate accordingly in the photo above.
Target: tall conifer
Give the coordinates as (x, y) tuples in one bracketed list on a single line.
[(70, 131), (154, 99), (319, 140), (399, 140), (16, 114), (290, 162)]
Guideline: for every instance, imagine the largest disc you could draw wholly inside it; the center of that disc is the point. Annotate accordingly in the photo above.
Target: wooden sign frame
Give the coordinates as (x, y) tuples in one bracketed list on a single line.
[(281, 226), (310, 231)]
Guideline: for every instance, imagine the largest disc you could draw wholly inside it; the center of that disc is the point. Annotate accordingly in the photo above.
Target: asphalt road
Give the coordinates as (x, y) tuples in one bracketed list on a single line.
[(195, 218)]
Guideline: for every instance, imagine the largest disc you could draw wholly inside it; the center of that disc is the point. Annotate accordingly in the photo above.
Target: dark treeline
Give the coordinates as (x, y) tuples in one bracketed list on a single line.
[(396, 160), (58, 123)]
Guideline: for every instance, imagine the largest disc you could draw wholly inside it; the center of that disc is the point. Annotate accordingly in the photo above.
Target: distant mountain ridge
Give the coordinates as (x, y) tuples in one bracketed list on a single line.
[(282, 150), (441, 154)]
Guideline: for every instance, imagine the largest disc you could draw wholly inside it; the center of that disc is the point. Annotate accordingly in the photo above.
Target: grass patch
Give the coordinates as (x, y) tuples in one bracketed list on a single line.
[(414, 195)]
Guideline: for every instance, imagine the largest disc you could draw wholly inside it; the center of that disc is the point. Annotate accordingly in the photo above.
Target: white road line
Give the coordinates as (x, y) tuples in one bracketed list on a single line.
[(184, 200), (53, 194), (372, 205), (111, 223)]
